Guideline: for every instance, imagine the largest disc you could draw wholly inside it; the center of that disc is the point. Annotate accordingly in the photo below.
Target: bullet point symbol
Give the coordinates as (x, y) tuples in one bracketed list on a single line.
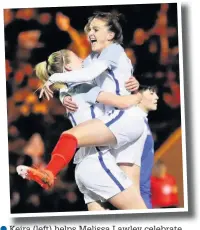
[(3, 228)]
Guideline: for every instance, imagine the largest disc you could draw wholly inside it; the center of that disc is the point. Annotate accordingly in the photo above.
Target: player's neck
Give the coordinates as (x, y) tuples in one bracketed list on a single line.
[(143, 108), (107, 44)]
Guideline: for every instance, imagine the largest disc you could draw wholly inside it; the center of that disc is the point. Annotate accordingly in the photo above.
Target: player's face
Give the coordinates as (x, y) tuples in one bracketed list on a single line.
[(149, 100), (99, 35), (75, 62)]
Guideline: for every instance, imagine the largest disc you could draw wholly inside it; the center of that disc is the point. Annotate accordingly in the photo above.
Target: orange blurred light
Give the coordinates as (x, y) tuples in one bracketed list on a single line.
[(31, 99), (8, 69), (19, 77), (45, 18), (173, 100), (25, 110), (162, 19), (62, 21), (139, 36), (8, 16), (29, 39), (164, 7), (131, 55), (26, 14), (33, 83), (40, 108), (12, 130), (28, 69), (153, 48), (20, 95)]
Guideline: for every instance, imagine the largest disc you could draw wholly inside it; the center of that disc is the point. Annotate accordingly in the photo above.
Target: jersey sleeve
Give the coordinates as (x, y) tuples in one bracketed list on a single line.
[(91, 96), (138, 149), (83, 75)]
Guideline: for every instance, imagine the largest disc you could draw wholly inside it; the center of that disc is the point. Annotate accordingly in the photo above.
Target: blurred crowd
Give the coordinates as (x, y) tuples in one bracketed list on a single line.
[(34, 126)]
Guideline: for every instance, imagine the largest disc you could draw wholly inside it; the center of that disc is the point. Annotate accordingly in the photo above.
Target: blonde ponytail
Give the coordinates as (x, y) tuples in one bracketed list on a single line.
[(41, 71), (55, 65)]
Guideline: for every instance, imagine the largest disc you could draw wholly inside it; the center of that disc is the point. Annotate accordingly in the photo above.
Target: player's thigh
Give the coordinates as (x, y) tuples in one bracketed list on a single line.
[(128, 199), (125, 127), (92, 200), (100, 175), (96, 206), (133, 172), (92, 133)]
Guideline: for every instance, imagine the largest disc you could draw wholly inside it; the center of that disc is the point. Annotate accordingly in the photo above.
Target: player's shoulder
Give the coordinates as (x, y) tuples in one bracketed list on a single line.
[(114, 49), (88, 60), (139, 121), (139, 112), (116, 46)]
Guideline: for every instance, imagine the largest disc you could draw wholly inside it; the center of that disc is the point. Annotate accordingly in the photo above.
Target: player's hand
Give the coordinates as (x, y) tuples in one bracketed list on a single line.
[(45, 90), (69, 104), (62, 21), (132, 84)]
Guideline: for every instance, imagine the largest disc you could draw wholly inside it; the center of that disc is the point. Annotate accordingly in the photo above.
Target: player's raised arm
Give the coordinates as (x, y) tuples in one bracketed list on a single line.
[(107, 59), (83, 75)]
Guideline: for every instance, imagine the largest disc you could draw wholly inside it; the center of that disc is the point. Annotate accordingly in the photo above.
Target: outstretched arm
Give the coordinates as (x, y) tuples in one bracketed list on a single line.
[(121, 102), (106, 98), (83, 75), (108, 58), (97, 95), (75, 76)]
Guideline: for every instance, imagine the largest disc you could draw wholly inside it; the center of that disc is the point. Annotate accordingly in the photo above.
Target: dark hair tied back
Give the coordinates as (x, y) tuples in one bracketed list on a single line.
[(113, 22)]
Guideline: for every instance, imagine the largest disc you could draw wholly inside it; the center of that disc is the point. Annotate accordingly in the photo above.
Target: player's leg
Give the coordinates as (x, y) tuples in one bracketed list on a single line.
[(128, 199), (91, 133), (96, 206), (86, 134), (117, 127), (109, 182), (128, 158), (131, 197), (92, 200), (133, 172)]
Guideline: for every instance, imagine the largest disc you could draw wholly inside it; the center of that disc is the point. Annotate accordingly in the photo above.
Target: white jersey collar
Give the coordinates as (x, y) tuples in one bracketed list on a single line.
[(142, 112)]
